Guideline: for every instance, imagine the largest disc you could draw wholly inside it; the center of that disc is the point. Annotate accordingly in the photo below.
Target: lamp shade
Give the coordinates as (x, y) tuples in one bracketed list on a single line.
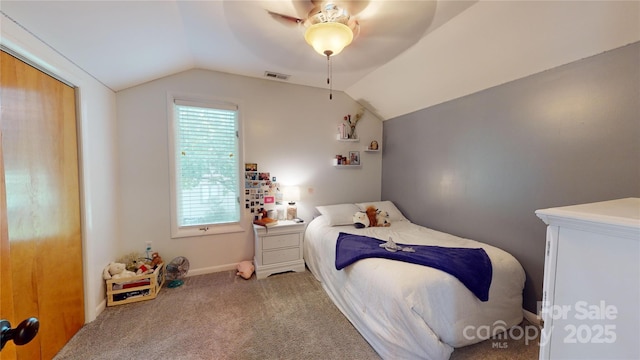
[(291, 193), (328, 36)]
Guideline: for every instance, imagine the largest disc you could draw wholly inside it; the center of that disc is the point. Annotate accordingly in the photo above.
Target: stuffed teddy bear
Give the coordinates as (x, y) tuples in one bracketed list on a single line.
[(116, 271), (360, 220), (245, 269), (156, 260)]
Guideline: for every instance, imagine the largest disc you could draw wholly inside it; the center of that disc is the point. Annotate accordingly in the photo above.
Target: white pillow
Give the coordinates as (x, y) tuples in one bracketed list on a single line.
[(388, 206), (341, 214)]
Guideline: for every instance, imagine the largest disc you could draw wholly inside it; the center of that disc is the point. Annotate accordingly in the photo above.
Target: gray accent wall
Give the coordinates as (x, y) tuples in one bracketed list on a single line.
[(479, 166)]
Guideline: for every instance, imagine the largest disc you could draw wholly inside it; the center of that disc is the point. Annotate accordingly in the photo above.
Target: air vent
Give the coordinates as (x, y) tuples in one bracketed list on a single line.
[(275, 75)]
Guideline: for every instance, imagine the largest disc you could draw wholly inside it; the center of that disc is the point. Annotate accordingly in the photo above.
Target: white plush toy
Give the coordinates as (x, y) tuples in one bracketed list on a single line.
[(361, 220), (382, 218), (116, 271)]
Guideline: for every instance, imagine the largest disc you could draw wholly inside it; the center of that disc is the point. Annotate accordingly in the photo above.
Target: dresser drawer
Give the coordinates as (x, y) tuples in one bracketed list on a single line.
[(278, 256), (280, 241)]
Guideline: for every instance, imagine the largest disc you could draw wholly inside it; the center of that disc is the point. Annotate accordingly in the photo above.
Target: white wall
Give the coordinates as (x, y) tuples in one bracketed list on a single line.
[(289, 131), (98, 168)]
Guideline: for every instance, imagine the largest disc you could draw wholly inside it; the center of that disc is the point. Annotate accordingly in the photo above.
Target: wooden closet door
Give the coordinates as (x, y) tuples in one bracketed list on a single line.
[(6, 287), (38, 124)]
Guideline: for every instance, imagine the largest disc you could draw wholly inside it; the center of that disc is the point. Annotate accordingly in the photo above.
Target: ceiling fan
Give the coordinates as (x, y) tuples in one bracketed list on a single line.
[(329, 29), (343, 12), (273, 31)]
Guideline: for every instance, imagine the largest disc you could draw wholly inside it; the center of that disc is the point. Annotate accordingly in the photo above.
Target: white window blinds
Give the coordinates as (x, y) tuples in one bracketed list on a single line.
[(206, 164)]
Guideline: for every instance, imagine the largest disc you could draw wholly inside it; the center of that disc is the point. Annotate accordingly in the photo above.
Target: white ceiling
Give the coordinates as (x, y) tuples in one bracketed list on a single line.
[(409, 54)]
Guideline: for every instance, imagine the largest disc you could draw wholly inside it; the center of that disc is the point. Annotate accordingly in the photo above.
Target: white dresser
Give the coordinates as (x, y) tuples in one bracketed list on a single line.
[(278, 248), (591, 293)]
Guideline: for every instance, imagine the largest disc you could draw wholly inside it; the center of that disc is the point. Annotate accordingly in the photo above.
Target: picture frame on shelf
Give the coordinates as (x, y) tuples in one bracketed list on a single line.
[(354, 157)]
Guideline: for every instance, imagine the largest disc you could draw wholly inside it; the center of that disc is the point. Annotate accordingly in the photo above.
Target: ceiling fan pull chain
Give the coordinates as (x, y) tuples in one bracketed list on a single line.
[(329, 75), (328, 69)]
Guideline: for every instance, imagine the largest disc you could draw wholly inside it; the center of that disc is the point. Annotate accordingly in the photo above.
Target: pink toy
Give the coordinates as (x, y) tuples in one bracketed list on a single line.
[(245, 269)]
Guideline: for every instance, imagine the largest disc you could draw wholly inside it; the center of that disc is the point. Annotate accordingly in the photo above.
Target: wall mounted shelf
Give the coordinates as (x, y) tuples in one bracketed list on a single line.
[(353, 154)]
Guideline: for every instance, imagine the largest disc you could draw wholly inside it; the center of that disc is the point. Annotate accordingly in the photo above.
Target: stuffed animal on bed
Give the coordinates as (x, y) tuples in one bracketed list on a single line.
[(382, 219), (371, 217), (360, 220), (372, 214)]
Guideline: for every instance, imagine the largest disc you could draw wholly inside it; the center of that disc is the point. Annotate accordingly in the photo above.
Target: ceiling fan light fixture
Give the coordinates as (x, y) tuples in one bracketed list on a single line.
[(328, 38)]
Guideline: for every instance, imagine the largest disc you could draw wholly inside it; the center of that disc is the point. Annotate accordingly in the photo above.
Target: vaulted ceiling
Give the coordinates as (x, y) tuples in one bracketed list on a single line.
[(409, 54)]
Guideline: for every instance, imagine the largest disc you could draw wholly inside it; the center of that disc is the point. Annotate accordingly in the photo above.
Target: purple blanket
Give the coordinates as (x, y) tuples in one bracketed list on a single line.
[(471, 266)]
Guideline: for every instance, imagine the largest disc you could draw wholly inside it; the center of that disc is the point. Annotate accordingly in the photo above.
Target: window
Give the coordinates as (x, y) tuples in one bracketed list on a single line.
[(205, 163)]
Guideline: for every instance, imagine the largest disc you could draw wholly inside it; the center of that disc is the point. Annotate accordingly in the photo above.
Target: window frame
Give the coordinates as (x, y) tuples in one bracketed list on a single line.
[(211, 102)]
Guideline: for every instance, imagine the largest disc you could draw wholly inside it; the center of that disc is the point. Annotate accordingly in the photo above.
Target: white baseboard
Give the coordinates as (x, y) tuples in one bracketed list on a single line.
[(532, 318), (212, 269), (100, 308)]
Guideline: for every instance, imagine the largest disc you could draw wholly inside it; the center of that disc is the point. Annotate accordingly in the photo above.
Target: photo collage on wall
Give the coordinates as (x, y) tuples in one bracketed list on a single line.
[(261, 191)]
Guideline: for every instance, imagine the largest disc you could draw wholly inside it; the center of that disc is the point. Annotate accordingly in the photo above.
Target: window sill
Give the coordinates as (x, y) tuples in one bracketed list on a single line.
[(196, 231)]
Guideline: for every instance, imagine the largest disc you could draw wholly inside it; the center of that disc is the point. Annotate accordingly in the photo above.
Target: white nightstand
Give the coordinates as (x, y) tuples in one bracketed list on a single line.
[(278, 248)]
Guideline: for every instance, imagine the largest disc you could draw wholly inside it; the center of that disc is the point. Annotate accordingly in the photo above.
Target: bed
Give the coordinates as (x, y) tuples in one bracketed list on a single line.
[(405, 310)]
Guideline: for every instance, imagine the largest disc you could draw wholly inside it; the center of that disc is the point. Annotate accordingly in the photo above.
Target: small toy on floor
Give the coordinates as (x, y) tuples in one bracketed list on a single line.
[(245, 269)]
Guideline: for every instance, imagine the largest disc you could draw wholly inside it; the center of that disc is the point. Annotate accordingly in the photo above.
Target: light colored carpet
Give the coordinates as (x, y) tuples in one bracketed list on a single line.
[(222, 316)]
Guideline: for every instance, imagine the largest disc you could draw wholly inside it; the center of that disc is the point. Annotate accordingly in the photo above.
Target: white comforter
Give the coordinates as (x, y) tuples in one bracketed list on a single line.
[(408, 311)]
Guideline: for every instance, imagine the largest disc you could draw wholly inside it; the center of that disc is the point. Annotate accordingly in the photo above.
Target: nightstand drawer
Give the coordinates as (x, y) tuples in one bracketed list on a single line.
[(280, 241), (278, 256)]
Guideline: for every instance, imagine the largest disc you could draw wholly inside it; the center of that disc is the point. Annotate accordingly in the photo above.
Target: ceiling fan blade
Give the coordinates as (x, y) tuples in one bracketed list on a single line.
[(286, 19), (354, 25), (306, 7)]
